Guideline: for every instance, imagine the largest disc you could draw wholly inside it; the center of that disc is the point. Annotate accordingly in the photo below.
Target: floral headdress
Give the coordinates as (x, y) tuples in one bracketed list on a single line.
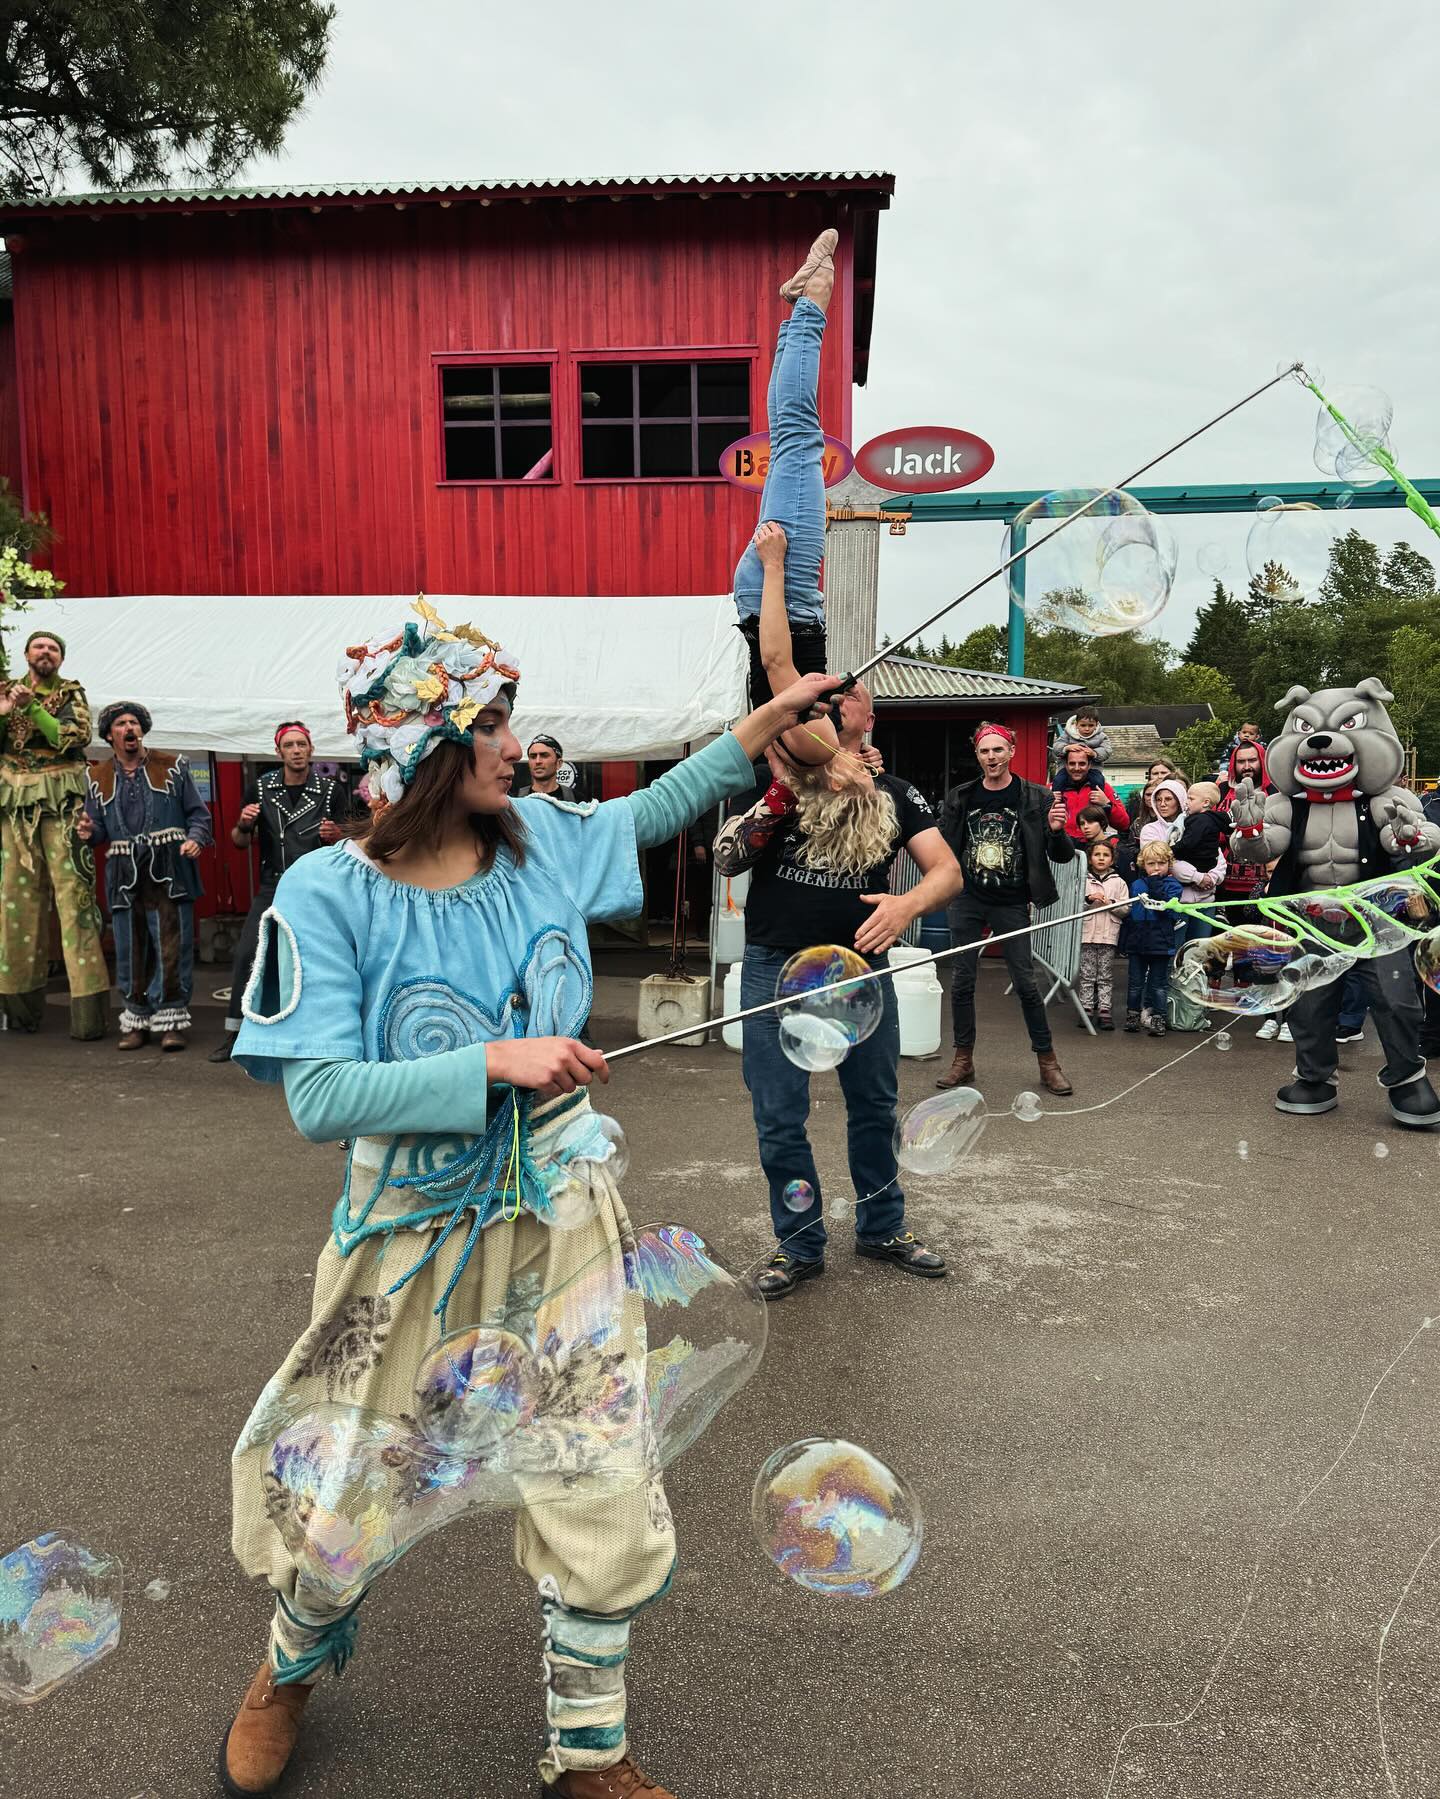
[(406, 693)]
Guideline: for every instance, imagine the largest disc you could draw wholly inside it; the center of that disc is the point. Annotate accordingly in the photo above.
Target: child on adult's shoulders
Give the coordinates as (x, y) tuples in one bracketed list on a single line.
[(1150, 939), (1084, 728), (1100, 931)]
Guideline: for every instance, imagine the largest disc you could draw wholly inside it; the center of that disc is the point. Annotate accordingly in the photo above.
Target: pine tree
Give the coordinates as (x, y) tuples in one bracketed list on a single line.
[(1221, 638), (1408, 573), (1354, 579), (1271, 590)]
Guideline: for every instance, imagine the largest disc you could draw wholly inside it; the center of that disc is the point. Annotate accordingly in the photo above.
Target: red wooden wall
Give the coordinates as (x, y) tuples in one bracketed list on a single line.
[(9, 404), (247, 404)]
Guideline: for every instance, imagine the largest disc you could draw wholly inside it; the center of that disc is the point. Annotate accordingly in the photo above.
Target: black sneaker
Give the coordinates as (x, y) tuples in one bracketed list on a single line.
[(905, 1252), (225, 1049), (782, 1274), (1132, 1021)]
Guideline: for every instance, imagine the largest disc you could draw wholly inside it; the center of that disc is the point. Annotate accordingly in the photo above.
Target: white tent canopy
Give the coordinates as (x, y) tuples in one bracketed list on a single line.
[(615, 679)]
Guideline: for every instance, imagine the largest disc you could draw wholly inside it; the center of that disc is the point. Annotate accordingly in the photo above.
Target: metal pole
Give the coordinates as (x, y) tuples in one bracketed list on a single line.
[(1064, 523), (1015, 660), (873, 974)]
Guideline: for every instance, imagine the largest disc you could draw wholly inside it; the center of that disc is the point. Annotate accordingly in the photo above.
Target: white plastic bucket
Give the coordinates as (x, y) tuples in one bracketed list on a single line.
[(733, 1034), (919, 996), (730, 919)]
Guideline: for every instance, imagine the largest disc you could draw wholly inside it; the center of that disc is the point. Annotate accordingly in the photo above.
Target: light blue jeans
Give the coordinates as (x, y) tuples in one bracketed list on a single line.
[(794, 493)]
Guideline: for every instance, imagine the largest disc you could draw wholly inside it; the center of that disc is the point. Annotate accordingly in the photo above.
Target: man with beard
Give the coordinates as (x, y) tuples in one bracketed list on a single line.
[(544, 760), (144, 807), (1079, 784), (292, 810), (1246, 880), (44, 730)]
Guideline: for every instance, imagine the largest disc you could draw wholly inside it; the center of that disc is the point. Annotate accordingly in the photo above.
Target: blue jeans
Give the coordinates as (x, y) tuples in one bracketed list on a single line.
[(780, 1096), (794, 494), (1149, 984), (1192, 930), (1354, 1004)]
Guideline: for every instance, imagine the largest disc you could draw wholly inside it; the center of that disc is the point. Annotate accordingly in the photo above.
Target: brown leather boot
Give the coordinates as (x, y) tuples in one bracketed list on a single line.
[(1052, 1075), (259, 1743), (132, 1040), (623, 1781), (961, 1072)]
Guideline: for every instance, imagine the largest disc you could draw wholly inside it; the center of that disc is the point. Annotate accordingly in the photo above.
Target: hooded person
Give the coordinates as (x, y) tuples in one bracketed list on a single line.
[(1167, 825), (143, 805), (44, 733)]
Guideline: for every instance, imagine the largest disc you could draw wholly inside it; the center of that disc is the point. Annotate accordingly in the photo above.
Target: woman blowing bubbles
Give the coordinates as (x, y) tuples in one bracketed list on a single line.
[(418, 991)]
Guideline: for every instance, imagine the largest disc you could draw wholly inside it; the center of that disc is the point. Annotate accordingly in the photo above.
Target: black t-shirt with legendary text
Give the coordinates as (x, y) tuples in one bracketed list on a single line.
[(992, 857), (791, 906)]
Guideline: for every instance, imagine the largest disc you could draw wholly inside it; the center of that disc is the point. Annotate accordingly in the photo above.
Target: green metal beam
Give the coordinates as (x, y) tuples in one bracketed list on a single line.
[(1198, 498)]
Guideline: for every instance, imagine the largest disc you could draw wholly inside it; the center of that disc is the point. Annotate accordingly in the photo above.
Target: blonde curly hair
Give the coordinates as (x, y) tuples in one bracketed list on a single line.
[(844, 830)]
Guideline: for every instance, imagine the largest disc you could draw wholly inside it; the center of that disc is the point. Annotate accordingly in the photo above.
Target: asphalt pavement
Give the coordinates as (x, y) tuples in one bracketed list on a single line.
[(1164, 1482)]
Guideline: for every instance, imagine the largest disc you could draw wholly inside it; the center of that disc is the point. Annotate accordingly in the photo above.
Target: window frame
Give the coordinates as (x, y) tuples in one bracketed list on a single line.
[(748, 354), (451, 359)]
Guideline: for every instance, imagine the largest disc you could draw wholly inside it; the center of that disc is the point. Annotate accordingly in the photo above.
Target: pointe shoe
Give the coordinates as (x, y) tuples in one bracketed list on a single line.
[(822, 251)]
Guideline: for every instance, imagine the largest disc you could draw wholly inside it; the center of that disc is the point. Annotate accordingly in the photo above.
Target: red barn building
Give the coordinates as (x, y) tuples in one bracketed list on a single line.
[(505, 388)]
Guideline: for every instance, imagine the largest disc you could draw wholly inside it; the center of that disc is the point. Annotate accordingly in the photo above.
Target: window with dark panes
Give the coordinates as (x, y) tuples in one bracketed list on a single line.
[(497, 421), (649, 421)]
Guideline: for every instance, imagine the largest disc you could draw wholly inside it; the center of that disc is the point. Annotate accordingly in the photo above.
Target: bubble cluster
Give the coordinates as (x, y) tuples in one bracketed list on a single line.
[(60, 1609), (936, 1135), (1346, 452), (835, 1520), (1026, 1107), (798, 1196), (1252, 969), (826, 1018), (1108, 572), (576, 1395), (1288, 548)]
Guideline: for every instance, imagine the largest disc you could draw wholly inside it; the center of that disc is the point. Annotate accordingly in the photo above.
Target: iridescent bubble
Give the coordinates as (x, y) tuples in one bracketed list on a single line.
[(936, 1135), (1345, 499), (1427, 960), (1268, 502), (615, 1136), (1222, 1040), (1288, 549), (1345, 451), (1381, 1151), (1026, 1107), (826, 989), (157, 1591), (814, 1044), (835, 1520), (798, 1196), (1107, 572), (60, 1609), (1250, 969), (1212, 559), (474, 1387), (1373, 919)]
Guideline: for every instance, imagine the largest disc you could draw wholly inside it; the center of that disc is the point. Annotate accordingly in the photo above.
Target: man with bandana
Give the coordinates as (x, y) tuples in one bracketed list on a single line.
[(545, 760), (292, 811), (44, 730), (145, 808)]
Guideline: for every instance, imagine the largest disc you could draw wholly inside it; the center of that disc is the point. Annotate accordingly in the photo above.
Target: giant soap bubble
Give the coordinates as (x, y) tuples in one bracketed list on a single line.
[(59, 1614), (575, 1396), (1427, 960), (830, 1009), (1374, 918), (937, 1134), (1347, 456), (1295, 541), (1108, 572), (834, 1519)]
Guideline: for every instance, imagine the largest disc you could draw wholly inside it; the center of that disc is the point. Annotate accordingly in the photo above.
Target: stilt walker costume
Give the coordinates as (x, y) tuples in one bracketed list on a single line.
[(374, 1001), (42, 789), (145, 817)]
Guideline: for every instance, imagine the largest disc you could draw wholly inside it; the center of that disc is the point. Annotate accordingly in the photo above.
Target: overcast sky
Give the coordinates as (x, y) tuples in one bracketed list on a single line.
[(1110, 222)]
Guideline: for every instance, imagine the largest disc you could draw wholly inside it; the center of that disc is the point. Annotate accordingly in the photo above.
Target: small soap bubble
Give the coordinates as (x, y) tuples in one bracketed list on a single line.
[(1222, 1040), (1212, 559), (1345, 499), (835, 1520), (1242, 1149), (798, 1196), (1381, 1151), (157, 1591), (473, 1388), (60, 1609), (1268, 502), (936, 1135), (814, 1044), (1026, 1107)]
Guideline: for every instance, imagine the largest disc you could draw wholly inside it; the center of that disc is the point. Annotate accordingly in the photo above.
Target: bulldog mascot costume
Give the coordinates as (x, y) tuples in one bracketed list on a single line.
[(1337, 817)]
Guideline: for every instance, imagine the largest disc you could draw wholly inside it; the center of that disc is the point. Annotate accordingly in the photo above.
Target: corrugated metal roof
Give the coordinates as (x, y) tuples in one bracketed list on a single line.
[(286, 194), (902, 678)]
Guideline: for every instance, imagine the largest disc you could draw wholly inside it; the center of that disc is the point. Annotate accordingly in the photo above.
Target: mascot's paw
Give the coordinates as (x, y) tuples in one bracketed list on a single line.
[(1415, 1105), (1306, 1097)]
